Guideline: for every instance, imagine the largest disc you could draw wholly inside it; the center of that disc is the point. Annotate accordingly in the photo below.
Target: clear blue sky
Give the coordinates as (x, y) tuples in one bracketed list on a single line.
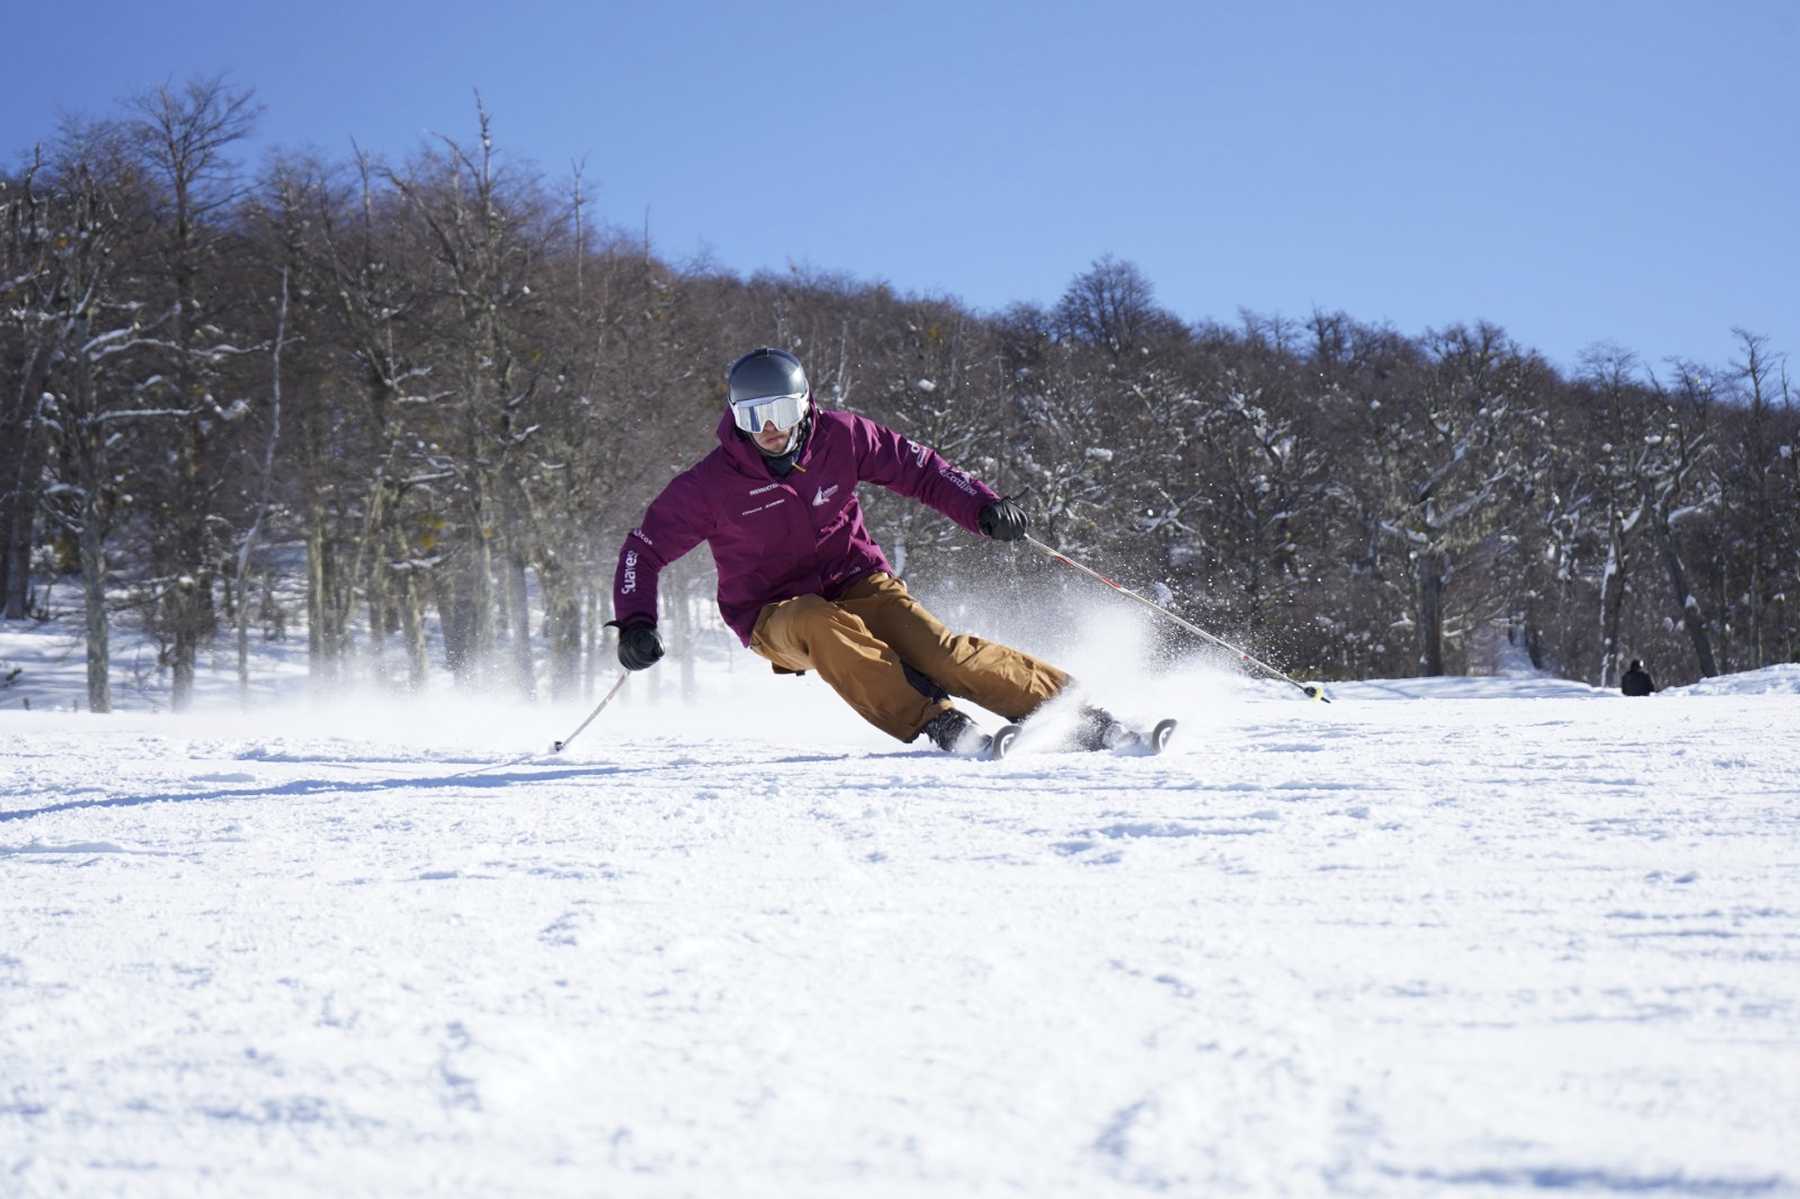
[(1577, 172)]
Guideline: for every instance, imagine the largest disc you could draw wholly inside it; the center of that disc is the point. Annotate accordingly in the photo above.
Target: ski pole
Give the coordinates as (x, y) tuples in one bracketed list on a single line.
[(556, 747), (1312, 690)]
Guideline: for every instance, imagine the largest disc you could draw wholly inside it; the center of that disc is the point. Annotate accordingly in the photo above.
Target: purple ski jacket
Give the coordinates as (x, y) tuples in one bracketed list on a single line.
[(773, 539)]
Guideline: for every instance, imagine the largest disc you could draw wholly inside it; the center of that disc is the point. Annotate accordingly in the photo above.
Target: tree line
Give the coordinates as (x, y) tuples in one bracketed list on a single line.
[(457, 387)]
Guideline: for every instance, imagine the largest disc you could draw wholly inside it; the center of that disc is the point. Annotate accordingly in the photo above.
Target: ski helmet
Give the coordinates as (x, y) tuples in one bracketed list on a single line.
[(767, 385)]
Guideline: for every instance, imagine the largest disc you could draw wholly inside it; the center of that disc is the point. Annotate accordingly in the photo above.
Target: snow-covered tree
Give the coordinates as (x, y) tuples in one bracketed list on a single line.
[(1445, 468), (184, 138)]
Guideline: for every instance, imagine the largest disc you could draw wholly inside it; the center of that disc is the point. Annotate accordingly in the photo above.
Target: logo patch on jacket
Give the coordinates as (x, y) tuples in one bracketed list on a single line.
[(824, 495), (959, 478)]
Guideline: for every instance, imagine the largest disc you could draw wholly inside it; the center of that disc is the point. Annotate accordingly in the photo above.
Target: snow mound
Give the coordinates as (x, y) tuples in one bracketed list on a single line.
[(1770, 680)]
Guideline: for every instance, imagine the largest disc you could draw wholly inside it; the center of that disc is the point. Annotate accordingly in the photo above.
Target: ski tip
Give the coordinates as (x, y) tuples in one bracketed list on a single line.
[(1002, 742), (1159, 736)]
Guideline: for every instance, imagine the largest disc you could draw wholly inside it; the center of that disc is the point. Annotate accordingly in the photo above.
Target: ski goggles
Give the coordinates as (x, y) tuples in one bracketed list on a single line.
[(784, 412)]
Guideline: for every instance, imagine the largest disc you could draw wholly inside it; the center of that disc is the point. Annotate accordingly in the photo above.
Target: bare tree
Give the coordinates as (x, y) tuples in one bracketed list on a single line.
[(1678, 487), (1756, 463), (1450, 466), (185, 136), (93, 398), (1622, 430), (32, 292), (490, 232), (1111, 305), (248, 545)]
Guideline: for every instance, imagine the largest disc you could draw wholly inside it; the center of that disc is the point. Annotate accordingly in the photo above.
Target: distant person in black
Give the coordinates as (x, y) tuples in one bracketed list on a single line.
[(1637, 680)]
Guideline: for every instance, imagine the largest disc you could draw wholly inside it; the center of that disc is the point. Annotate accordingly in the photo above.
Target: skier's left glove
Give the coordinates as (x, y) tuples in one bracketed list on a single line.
[(1004, 520), (639, 646)]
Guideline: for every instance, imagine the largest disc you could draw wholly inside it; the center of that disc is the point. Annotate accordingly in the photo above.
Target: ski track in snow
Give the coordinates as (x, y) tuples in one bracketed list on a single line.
[(1537, 938)]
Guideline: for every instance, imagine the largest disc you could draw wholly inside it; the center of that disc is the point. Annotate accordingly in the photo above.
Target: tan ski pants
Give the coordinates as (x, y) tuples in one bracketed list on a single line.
[(859, 642)]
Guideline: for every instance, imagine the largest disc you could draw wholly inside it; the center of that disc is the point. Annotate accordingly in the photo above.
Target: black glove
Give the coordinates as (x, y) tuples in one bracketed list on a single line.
[(639, 646), (1004, 520)]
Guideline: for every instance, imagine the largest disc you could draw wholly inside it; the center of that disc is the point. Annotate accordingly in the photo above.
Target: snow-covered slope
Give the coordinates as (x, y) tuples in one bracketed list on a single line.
[(1539, 937), (1770, 680)]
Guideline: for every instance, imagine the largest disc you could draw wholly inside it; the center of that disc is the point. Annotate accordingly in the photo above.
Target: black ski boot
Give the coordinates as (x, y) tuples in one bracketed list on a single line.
[(1097, 729), (955, 733)]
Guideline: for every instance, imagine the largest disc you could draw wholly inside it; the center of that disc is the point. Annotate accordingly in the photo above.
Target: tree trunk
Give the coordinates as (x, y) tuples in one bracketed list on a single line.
[(1758, 654), (412, 627), (21, 525), (332, 643), (502, 596), (469, 620), (19, 517), (315, 593), (562, 628), (518, 601), (243, 654), (183, 607), (191, 614), (1691, 616), (1432, 569), (476, 592), (447, 589), (591, 668), (479, 599), (378, 600), (1723, 588), (12, 452), (93, 589), (515, 518), (412, 614), (312, 467), (1612, 607)]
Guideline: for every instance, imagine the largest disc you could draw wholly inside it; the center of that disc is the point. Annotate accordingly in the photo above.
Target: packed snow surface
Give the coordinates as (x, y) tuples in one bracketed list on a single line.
[(1445, 937)]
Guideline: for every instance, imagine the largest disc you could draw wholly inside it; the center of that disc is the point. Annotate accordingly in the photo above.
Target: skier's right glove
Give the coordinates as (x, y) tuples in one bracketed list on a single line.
[(639, 646), (1004, 520)]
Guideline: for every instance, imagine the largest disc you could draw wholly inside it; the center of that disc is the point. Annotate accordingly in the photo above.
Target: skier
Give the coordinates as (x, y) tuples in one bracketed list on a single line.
[(803, 584), (1636, 680)]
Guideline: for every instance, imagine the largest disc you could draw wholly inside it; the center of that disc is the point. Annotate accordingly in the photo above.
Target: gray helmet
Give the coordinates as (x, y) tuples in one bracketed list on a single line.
[(764, 372)]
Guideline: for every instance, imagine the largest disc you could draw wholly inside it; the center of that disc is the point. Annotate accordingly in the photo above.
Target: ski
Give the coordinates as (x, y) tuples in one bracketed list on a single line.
[(1131, 743), (1125, 743), (1158, 738)]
